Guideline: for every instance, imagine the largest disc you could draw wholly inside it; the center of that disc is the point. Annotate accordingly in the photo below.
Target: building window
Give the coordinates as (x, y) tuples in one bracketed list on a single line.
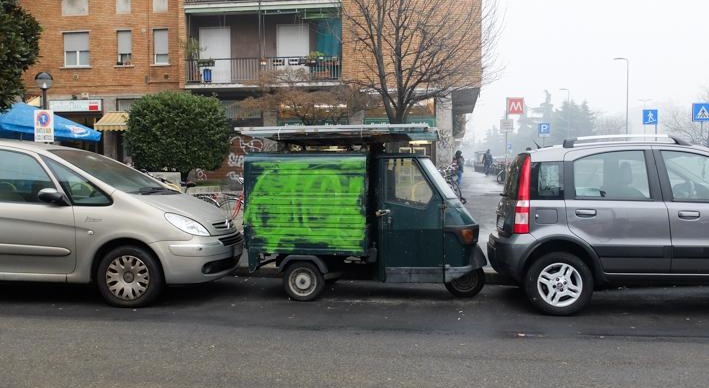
[(75, 7), (159, 5), (76, 49), (124, 104), (124, 48), (160, 45), (122, 6)]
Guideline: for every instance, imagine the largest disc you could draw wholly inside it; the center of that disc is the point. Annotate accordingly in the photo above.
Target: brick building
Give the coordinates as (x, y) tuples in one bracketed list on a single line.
[(107, 53)]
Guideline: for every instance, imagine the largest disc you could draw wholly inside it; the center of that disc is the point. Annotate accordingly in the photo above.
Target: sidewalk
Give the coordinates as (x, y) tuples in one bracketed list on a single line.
[(482, 194)]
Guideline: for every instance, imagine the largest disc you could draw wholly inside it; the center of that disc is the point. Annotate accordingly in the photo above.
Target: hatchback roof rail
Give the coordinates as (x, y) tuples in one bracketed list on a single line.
[(570, 143)]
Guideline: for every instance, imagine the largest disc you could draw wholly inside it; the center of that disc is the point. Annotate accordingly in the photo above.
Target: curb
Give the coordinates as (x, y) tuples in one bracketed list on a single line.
[(270, 271)]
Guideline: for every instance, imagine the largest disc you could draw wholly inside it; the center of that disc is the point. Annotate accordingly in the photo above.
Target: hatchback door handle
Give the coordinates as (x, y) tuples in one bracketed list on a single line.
[(688, 214), (586, 212)]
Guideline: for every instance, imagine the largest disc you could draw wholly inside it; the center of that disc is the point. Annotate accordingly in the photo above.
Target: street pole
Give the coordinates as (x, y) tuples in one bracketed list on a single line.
[(568, 113), (627, 87), (506, 133), (44, 81), (644, 100)]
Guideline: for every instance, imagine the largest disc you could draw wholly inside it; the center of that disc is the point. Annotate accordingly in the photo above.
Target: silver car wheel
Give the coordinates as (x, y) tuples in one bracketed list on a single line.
[(559, 284), (127, 277)]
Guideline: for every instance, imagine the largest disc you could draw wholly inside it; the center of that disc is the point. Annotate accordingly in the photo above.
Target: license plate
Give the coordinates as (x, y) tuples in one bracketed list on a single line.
[(500, 222)]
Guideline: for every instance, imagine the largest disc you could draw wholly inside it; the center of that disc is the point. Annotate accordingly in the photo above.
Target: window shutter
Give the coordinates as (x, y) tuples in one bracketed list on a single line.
[(76, 41), (124, 42), (160, 37)]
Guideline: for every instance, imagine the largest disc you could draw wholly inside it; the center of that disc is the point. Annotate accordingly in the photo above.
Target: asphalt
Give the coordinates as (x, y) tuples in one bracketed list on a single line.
[(481, 193)]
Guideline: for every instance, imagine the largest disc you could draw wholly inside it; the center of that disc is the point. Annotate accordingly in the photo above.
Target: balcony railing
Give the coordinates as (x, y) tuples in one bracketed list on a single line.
[(248, 70)]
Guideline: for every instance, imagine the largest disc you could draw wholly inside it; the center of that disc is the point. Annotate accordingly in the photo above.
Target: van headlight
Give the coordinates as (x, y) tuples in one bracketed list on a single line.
[(186, 225)]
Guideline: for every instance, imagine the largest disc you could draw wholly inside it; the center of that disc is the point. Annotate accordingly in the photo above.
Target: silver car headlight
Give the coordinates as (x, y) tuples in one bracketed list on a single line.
[(186, 225)]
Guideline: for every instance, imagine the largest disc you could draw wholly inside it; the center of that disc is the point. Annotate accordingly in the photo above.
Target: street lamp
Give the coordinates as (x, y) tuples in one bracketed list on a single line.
[(644, 100), (44, 81), (627, 85), (568, 113)]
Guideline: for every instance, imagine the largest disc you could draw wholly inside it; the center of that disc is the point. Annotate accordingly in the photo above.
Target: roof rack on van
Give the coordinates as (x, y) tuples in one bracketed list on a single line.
[(570, 143)]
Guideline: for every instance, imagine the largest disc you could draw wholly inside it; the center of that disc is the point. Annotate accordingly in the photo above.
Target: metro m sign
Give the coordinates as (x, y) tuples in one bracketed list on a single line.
[(515, 105)]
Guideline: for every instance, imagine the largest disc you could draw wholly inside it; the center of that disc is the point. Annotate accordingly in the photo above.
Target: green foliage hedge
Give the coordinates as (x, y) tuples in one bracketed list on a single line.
[(19, 48), (177, 131)]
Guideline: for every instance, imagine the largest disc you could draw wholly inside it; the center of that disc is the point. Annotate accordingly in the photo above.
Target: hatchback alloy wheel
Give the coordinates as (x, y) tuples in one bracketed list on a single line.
[(559, 283)]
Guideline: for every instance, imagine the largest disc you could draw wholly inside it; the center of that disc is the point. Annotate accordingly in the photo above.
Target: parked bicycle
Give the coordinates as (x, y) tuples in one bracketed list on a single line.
[(449, 174), (232, 203), (501, 172)]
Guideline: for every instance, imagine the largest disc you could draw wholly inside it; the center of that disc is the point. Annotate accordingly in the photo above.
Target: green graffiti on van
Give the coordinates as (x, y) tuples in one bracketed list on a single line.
[(306, 203)]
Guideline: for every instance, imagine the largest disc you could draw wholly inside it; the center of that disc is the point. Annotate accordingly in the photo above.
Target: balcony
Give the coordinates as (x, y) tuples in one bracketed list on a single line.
[(246, 72)]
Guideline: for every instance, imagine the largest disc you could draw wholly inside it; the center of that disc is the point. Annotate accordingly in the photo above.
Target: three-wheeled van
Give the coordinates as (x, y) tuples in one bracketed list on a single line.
[(362, 214)]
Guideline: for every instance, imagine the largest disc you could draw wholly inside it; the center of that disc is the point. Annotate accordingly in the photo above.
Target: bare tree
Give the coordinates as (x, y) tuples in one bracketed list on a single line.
[(409, 51), (289, 91), (680, 123), (609, 124)]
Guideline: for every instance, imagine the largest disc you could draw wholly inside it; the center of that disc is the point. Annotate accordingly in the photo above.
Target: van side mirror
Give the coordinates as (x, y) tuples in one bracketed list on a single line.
[(50, 195)]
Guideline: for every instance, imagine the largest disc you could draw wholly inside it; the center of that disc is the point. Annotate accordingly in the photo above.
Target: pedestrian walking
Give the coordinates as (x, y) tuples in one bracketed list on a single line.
[(487, 162), (459, 161)]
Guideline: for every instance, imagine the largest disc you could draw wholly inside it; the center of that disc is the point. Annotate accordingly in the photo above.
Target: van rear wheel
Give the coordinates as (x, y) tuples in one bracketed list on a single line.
[(467, 285), (303, 281), (559, 283)]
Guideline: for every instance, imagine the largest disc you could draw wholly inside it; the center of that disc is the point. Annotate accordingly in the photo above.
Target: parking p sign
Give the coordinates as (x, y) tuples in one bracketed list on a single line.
[(544, 129)]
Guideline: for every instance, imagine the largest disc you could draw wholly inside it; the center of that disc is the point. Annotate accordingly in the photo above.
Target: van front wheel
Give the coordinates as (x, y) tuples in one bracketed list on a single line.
[(467, 285), (559, 283), (303, 281)]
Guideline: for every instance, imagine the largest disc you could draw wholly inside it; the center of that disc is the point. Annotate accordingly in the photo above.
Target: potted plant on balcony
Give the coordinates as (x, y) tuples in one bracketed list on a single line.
[(313, 58), (192, 50), (204, 62)]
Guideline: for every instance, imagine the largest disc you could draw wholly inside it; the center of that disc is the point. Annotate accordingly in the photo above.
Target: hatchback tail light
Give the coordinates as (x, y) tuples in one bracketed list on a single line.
[(521, 224)]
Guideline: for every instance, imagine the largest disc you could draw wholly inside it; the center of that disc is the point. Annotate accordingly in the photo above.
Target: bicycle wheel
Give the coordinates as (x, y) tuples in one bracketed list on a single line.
[(233, 203)]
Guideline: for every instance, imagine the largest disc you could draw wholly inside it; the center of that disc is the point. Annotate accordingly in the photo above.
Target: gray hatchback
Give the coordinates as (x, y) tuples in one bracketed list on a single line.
[(599, 211), (68, 215)]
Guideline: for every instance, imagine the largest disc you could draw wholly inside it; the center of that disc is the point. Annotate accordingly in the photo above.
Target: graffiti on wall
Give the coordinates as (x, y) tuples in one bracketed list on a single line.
[(444, 147), (232, 169)]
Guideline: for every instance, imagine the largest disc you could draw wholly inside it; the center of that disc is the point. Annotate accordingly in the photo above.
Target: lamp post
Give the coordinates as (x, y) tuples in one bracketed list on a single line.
[(627, 87), (44, 80), (644, 100), (568, 113)]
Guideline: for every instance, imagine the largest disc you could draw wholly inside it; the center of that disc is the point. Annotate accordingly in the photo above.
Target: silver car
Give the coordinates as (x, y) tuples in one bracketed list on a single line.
[(602, 211), (68, 215)]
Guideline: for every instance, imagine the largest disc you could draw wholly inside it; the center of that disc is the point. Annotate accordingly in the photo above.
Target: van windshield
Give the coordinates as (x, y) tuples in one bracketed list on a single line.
[(437, 178), (110, 171)]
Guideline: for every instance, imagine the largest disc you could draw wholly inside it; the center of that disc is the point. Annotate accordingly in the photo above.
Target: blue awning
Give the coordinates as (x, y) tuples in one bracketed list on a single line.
[(18, 123)]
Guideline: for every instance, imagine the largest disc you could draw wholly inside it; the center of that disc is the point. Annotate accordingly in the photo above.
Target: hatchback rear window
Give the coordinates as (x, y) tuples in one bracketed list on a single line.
[(511, 189)]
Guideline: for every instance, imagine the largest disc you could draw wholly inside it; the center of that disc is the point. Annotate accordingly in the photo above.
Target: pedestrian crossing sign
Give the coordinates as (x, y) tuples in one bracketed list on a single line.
[(700, 111), (649, 116)]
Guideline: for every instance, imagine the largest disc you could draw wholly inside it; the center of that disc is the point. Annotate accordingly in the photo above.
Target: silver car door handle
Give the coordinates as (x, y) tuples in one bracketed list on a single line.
[(586, 212), (688, 214)]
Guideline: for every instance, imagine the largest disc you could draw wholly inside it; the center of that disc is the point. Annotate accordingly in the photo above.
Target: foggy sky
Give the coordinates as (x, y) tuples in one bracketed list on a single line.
[(553, 44)]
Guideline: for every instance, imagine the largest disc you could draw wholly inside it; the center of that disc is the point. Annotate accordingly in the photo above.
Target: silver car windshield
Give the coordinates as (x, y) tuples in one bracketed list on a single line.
[(437, 178), (112, 172)]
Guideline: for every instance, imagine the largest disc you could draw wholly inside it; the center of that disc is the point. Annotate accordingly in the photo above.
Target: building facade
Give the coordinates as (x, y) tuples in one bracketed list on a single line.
[(105, 54)]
